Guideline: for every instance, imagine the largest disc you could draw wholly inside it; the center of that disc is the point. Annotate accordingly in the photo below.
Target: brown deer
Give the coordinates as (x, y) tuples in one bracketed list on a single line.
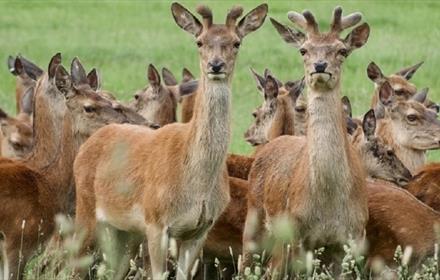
[(27, 73), (41, 193), (399, 81), (425, 185), (16, 135), (298, 175), (276, 116), (409, 127), (176, 175), (157, 102)]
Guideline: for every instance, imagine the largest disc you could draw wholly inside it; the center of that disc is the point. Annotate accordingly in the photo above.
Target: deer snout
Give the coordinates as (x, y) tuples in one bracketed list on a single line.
[(216, 66), (320, 66)]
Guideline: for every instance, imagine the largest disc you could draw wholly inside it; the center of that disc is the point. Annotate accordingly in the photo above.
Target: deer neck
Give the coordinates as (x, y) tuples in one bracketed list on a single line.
[(411, 158), (48, 116), (59, 173), (209, 132), (327, 144)]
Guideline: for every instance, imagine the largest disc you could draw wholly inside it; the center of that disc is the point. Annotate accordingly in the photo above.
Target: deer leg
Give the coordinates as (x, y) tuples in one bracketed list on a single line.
[(157, 239), (121, 248), (188, 253), (252, 235)]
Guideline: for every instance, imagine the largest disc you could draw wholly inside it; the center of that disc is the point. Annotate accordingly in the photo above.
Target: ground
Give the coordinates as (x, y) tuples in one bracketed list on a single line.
[(121, 38)]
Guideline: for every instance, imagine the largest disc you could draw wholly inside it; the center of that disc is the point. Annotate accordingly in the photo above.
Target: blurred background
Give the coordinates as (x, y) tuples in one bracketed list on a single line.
[(121, 38)]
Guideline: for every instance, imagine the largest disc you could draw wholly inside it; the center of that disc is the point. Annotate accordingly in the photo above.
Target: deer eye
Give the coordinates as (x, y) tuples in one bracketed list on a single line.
[(136, 96), (89, 109), (390, 153), (411, 118), (343, 52), (300, 109), (199, 44), (399, 92), (302, 51), (237, 45)]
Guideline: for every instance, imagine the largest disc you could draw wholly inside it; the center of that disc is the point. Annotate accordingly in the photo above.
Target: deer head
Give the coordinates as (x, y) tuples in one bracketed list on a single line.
[(379, 158), (17, 137), (323, 53), (270, 117), (89, 110), (414, 126), (157, 102), (399, 81), (218, 44)]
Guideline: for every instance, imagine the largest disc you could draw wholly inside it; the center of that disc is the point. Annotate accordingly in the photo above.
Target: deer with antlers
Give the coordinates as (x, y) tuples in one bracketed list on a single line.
[(174, 180), (325, 201), (42, 192)]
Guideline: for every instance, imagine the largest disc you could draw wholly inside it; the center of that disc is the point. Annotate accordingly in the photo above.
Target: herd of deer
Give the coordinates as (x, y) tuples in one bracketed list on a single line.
[(74, 149)]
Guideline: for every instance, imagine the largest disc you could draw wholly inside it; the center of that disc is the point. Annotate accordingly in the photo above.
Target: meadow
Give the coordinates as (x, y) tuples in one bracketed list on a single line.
[(121, 38)]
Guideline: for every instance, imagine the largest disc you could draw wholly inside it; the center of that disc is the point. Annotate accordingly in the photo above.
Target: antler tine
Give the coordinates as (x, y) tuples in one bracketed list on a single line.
[(233, 15), (206, 14), (306, 21), (312, 25), (350, 20), (336, 26)]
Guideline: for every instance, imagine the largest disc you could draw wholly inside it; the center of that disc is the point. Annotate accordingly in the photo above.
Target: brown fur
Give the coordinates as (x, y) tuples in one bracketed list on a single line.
[(425, 185), (41, 193), (174, 179), (16, 136), (297, 175), (409, 128), (239, 165)]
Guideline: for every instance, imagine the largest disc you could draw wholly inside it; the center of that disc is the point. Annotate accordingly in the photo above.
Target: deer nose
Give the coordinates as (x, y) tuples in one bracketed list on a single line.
[(216, 66), (320, 66)]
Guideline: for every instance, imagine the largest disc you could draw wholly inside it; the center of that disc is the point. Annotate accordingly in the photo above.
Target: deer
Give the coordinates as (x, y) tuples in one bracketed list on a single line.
[(276, 116), (308, 162), (409, 127), (41, 193), (27, 73), (190, 192), (187, 101), (16, 135), (158, 102), (400, 82)]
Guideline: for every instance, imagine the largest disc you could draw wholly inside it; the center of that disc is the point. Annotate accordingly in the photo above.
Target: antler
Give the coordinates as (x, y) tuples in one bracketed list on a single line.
[(306, 21), (206, 14), (233, 15), (340, 23)]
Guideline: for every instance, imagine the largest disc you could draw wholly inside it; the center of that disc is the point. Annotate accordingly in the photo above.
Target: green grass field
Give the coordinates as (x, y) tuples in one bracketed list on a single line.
[(121, 38)]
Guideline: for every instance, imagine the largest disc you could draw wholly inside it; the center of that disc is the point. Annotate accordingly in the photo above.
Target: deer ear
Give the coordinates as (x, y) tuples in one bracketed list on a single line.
[(3, 114), (93, 79), (369, 124), (187, 75), (421, 95), (292, 37), (252, 20), (18, 66), (259, 80), (153, 76), (386, 94), (270, 88), (186, 20), (11, 65), (358, 36), (346, 105), (408, 72), (32, 70), (26, 101), (168, 77), (188, 88), (78, 73), (63, 81), (295, 88), (374, 73), (53, 64)]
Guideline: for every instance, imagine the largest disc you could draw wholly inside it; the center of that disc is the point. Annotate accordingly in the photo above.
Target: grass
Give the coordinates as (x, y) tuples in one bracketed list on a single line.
[(121, 38)]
